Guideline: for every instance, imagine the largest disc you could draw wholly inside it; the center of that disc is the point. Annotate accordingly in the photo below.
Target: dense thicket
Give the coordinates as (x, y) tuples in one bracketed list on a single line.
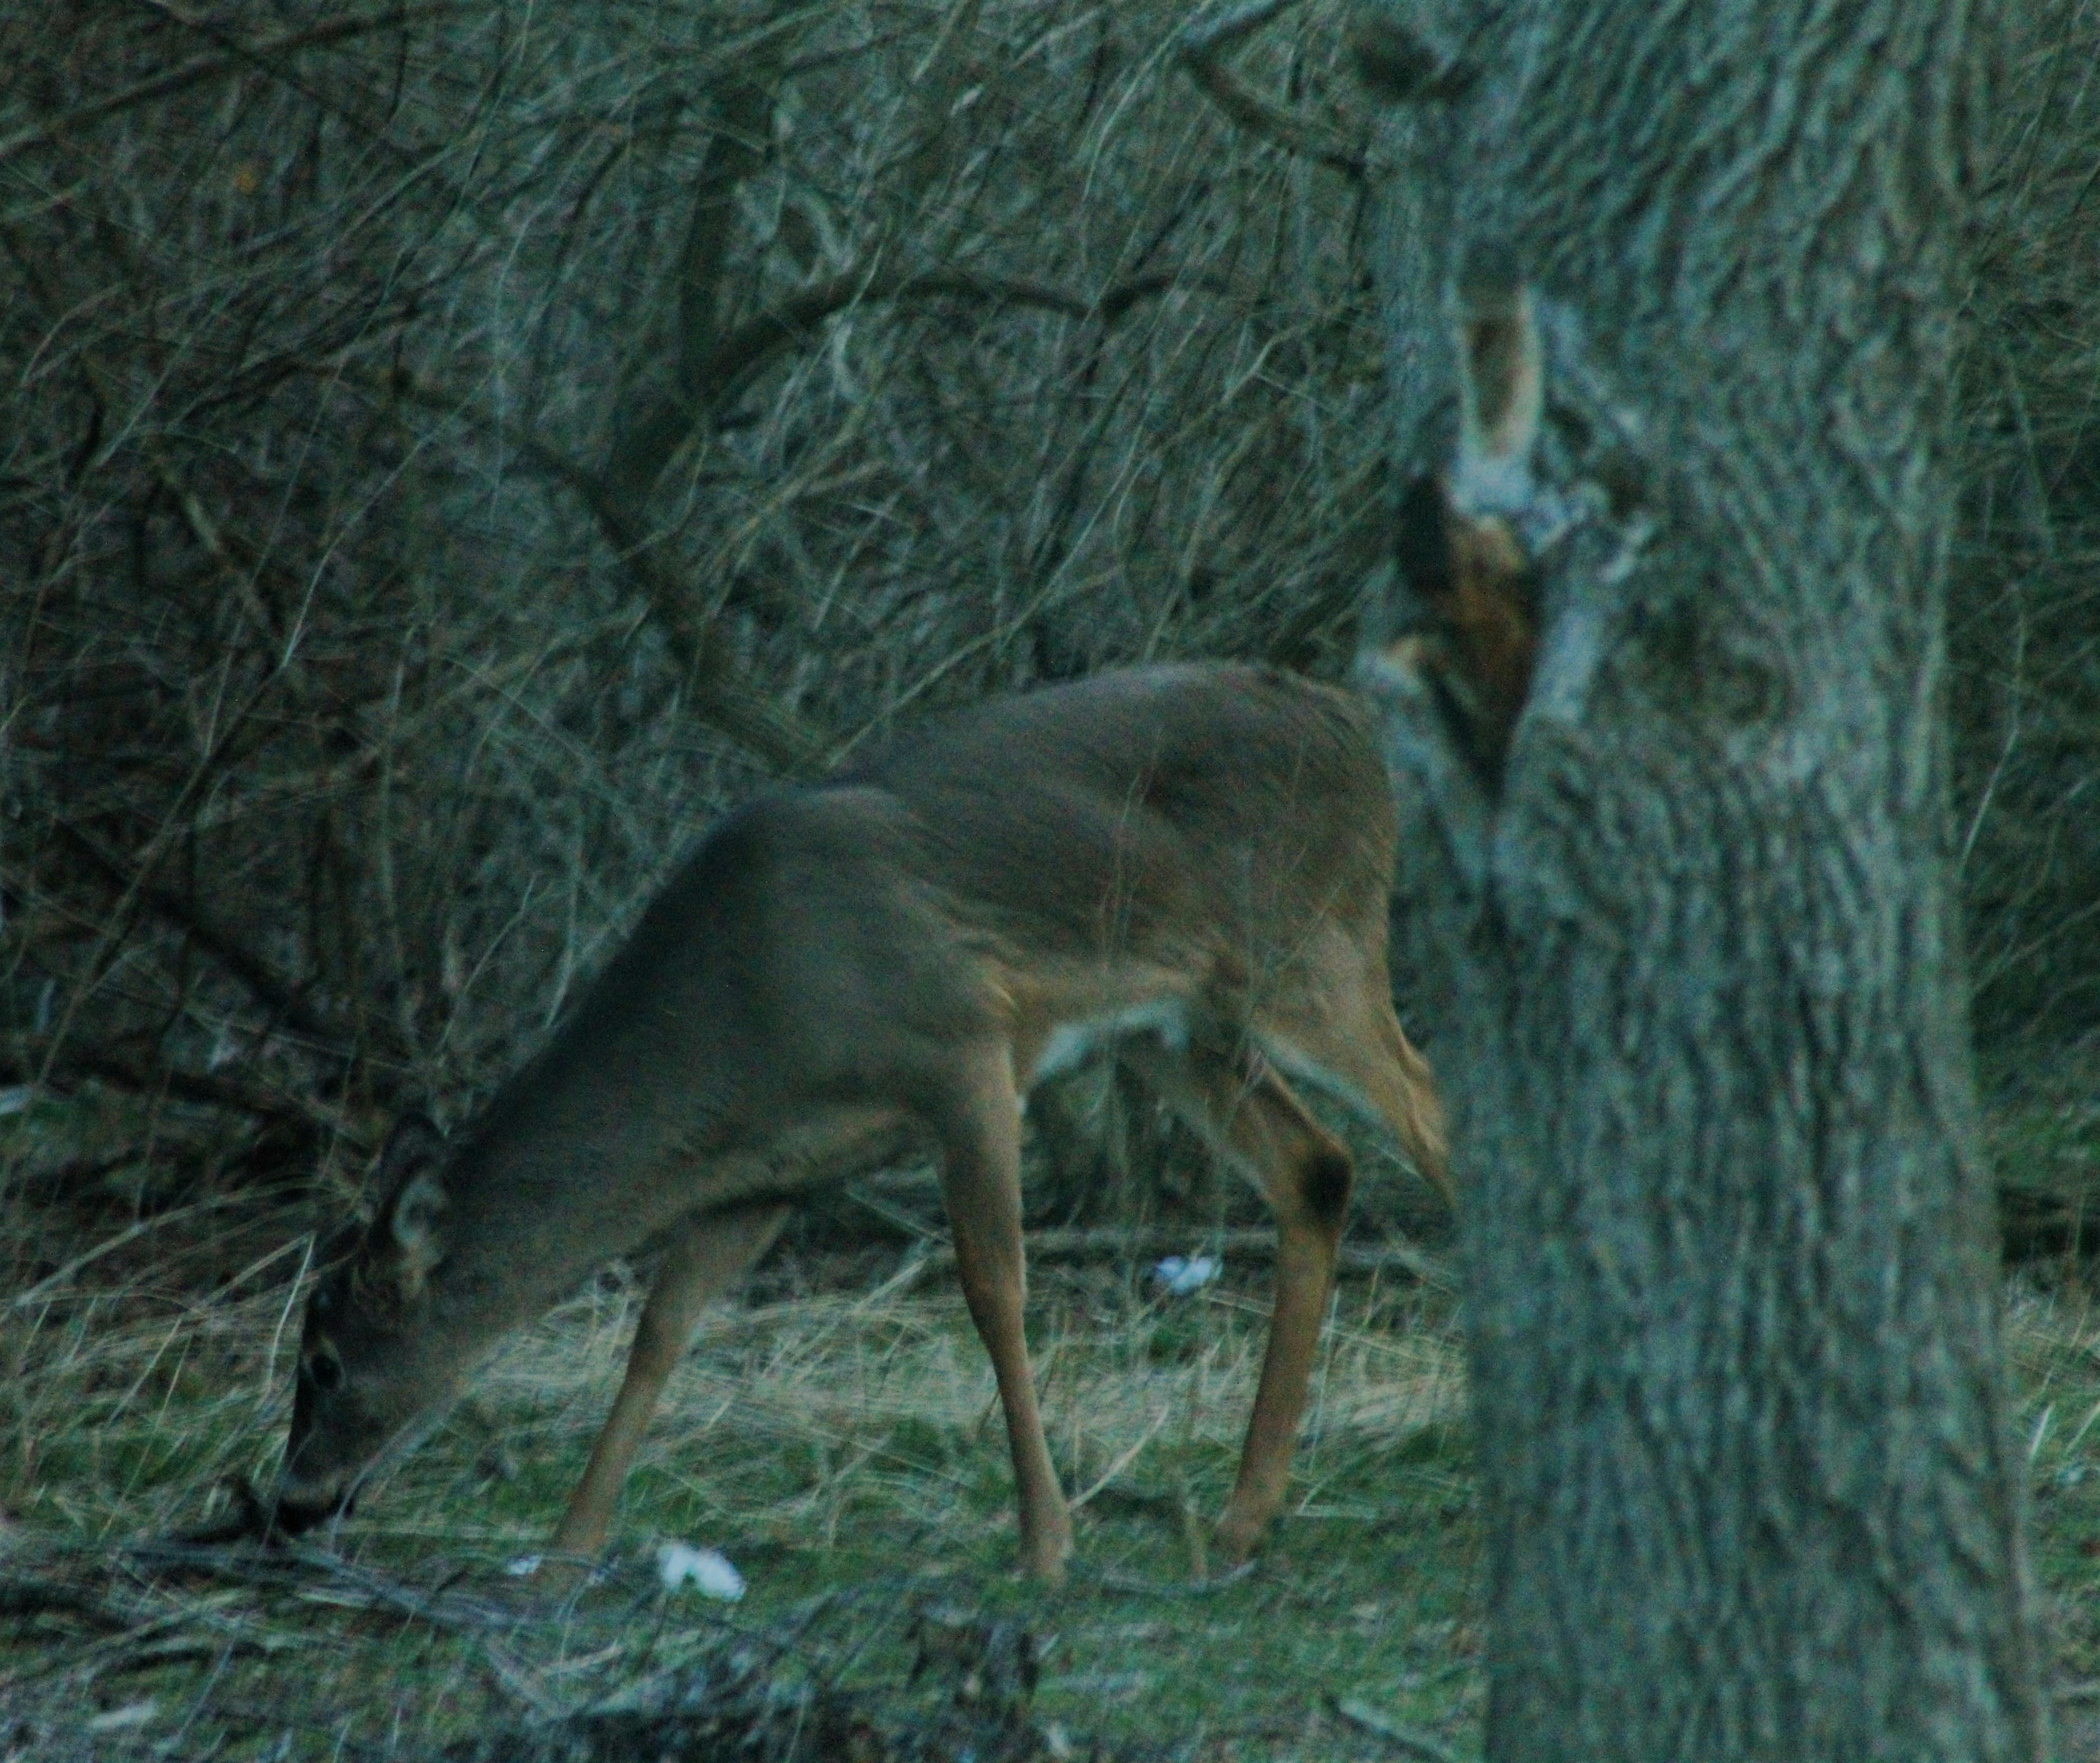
[(449, 450)]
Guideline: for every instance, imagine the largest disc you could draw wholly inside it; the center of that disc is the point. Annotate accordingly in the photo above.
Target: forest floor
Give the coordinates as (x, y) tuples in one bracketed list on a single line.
[(835, 1437)]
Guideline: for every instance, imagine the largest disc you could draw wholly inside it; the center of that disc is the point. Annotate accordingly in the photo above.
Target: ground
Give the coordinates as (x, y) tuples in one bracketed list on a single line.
[(835, 1436)]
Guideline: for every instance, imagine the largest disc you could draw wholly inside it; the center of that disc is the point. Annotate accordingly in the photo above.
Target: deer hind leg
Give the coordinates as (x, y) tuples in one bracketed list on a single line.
[(979, 1128), (1356, 1038), (1397, 1080), (706, 1259), (1305, 1173), (1332, 1010)]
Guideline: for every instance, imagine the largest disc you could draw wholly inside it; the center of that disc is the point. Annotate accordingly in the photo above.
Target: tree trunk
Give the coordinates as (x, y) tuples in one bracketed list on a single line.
[(1742, 1426)]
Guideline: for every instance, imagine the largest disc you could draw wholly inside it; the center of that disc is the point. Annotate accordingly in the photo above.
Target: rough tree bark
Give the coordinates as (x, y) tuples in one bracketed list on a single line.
[(1742, 1427)]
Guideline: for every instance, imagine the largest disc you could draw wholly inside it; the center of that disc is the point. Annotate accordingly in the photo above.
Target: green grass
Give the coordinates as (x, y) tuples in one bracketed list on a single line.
[(846, 1452)]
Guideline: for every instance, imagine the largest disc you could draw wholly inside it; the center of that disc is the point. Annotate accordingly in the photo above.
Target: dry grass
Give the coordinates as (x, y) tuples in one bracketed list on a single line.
[(122, 1404), (835, 1433), (2053, 1338), (887, 1403), (837, 1436), (843, 1447)]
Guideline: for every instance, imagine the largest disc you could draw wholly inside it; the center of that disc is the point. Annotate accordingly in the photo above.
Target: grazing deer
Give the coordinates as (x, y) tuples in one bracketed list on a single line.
[(1195, 859)]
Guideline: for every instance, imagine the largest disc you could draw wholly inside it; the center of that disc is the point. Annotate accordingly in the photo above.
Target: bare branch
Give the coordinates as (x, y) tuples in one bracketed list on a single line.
[(204, 68), (1399, 64), (1202, 47), (282, 999), (645, 442), (214, 1089), (752, 344), (721, 699)]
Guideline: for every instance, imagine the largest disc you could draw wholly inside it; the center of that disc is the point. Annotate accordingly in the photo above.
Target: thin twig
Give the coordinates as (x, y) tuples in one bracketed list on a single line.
[(130, 1233), (1408, 1741), (280, 997), (211, 67), (1202, 46)]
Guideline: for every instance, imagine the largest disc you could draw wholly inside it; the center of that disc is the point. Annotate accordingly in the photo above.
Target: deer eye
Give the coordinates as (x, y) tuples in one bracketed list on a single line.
[(324, 1367)]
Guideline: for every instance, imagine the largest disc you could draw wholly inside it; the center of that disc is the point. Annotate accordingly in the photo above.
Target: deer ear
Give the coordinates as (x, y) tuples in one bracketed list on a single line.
[(405, 1244)]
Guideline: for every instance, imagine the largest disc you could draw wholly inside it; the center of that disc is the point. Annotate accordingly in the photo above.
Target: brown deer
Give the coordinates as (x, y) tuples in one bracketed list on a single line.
[(1195, 859)]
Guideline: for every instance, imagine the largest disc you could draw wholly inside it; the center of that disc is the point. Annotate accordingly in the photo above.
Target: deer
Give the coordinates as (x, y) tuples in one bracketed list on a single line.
[(1191, 860)]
